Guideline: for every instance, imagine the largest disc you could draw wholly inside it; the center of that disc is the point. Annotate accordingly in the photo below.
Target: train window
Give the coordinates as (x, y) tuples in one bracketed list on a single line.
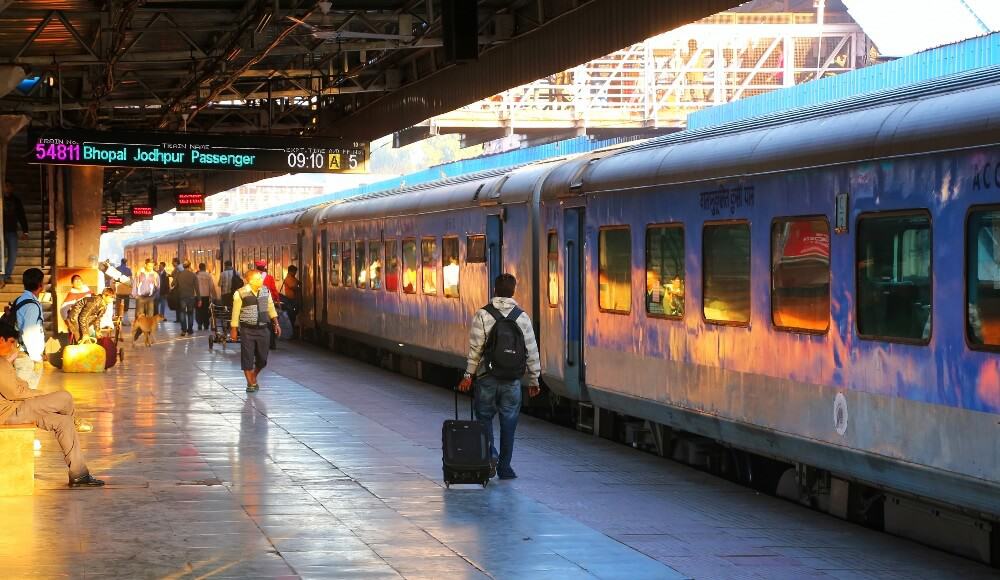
[(410, 266), (391, 266), (347, 268), (450, 271), (983, 273), (553, 269), (615, 270), (375, 265), (800, 274), (335, 263), (726, 271), (475, 250), (360, 266), (894, 277), (429, 263), (665, 271)]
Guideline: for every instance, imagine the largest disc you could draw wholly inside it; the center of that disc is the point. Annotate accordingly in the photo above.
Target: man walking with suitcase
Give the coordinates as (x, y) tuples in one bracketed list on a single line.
[(502, 349)]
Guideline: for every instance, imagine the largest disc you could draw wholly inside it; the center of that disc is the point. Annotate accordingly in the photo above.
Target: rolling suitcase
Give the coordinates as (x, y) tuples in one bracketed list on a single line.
[(465, 448)]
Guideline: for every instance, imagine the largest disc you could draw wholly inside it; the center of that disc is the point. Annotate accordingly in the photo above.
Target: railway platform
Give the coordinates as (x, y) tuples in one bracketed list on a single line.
[(333, 470)]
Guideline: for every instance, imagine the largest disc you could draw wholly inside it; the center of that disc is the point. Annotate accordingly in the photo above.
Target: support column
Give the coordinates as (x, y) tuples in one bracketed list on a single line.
[(78, 233)]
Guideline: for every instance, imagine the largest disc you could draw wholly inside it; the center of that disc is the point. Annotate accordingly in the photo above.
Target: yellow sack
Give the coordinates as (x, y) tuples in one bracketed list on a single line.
[(85, 357)]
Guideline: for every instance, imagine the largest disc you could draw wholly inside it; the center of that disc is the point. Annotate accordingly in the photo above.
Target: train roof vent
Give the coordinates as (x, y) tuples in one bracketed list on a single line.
[(478, 190), (577, 181)]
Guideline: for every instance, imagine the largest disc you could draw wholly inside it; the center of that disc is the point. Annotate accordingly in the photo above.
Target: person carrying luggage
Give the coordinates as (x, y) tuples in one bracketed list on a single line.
[(502, 350)]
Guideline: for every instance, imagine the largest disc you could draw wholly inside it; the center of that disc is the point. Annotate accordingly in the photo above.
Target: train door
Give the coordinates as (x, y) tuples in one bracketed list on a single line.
[(573, 226), (494, 248)]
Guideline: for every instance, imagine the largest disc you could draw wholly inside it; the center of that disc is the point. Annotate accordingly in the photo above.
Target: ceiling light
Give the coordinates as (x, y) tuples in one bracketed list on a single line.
[(324, 6)]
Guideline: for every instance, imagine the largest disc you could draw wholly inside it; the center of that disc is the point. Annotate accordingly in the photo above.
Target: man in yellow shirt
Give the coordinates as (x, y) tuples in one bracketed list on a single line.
[(253, 312)]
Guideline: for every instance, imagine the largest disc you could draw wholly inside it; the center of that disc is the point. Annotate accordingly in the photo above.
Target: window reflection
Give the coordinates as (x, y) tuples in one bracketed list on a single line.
[(615, 270), (348, 265), (983, 250), (391, 267), (800, 273), (375, 265), (727, 273), (360, 266), (335, 263), (553, 256), (410, 266), (665, 270), (451, 271), (429, 262), (894, 283)]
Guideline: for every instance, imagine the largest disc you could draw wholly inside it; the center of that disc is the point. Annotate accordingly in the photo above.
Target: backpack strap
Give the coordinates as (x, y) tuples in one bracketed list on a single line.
[(492, 310), (515, 314)]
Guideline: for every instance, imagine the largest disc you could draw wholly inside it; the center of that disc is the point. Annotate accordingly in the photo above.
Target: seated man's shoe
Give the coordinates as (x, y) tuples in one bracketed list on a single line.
[(508, 474), (82, 426), (85, 481)]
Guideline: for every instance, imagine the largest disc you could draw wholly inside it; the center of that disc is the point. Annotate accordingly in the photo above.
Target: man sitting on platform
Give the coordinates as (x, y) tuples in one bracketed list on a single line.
[(52, 411)]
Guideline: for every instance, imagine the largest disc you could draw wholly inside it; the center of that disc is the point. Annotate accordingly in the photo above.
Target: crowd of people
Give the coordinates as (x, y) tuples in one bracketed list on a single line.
[(253, 302)]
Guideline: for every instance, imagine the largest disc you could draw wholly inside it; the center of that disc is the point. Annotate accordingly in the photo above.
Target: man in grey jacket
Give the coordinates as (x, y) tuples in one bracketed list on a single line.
[(494, 394)]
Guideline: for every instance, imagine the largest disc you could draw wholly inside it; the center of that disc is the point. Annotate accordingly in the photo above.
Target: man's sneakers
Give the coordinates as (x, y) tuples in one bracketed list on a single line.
[(85, 481), (253, 388), (508, 474)]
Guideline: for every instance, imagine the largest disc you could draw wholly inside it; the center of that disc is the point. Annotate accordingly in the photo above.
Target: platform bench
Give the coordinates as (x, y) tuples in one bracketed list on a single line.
[(17, 459)]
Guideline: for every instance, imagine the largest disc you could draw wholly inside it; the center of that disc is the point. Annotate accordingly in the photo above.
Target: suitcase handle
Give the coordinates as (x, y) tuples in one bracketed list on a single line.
[(472, 403)]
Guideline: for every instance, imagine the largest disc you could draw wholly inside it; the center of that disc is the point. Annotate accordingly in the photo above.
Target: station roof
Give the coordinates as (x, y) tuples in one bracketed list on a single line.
[(353, 69)]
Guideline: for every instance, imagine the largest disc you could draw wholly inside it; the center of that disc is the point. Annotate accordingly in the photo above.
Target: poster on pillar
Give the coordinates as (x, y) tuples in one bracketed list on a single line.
[(284, 154)]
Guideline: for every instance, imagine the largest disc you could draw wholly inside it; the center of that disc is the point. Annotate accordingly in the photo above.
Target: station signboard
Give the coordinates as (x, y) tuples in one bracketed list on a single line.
[(141, 212), (104, 228), (285, 154), (114, 221), (190, 201)]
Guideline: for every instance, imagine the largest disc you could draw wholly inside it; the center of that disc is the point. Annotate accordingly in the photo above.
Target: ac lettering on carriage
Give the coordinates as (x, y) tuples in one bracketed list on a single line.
[(986, 176)]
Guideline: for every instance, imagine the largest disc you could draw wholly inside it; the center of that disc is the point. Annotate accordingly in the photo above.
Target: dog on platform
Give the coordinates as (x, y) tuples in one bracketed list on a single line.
[(146, 325)]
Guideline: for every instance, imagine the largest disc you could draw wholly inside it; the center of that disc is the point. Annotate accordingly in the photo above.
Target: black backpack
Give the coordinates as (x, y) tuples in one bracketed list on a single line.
[(505, 354), (9, 316)]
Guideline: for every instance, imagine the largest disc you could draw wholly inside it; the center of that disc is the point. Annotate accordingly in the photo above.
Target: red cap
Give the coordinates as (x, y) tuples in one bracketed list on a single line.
[(260, 264)]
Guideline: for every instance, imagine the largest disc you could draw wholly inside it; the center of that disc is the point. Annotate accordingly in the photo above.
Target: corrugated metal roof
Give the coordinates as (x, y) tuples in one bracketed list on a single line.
[(953, 59)]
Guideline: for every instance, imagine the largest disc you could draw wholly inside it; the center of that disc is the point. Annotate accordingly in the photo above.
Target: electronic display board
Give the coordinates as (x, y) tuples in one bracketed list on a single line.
[(114, 221), (141, 211), (104, 228), (196, 151), (190, 201)]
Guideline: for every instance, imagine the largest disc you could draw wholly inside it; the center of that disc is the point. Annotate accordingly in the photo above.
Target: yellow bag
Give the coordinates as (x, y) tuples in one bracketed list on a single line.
[(85, 357)]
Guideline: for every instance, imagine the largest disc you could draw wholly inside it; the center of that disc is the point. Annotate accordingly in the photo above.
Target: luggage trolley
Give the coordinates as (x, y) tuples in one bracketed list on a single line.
[(219, 326)]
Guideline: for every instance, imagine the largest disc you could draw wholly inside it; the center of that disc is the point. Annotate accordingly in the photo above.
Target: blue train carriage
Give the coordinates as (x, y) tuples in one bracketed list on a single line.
[(407, 270), (824, 290)]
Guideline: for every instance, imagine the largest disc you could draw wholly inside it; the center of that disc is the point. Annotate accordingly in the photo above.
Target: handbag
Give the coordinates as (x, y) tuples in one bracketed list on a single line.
[(84, 357)]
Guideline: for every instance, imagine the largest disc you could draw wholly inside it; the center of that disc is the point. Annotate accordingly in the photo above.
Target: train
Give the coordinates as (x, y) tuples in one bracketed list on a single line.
[(820, 287)]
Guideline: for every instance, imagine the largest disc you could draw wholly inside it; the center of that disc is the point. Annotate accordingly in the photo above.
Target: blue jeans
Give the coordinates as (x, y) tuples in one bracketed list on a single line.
[(10, 241), (187, 314), (496, 395)]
